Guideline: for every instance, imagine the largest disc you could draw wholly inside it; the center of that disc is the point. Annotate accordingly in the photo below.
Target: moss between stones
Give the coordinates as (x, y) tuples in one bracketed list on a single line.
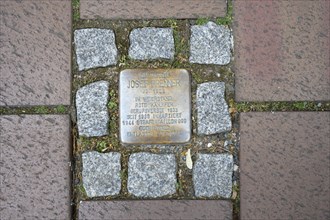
[(58, 109)]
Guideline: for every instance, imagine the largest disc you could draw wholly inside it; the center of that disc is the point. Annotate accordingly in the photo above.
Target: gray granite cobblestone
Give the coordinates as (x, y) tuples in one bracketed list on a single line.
[(151, 175), (151, 43), (210, 44), (101, 173), (92, 112), (212, 110), (212, 175), (95, 48)]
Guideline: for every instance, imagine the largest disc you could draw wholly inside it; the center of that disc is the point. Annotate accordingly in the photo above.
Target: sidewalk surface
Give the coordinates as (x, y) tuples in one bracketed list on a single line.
[(278, 169)]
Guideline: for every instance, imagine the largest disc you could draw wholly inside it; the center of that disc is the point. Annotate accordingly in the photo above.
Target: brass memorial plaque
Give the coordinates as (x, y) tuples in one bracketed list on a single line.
[(155, 106)]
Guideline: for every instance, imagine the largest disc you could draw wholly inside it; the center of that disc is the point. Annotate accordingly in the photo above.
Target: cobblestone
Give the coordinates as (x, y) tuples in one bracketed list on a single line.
[(212, 110), (92, 112), (101, 173), (151, 175), (210, 44), (212, 175), (95, 48), (151, 43)]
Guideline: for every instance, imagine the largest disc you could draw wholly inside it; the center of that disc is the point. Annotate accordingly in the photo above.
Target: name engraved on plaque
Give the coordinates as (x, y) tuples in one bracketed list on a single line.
[(155, 106)]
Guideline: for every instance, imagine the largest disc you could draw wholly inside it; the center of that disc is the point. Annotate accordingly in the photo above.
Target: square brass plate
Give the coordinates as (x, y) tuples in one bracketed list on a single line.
[(155, 106)]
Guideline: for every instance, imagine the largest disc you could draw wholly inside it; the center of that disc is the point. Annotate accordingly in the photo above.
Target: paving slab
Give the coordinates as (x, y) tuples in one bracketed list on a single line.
[(151, 175), (35, 52), (35, 167), (152, 9), (156, 209), (101, 173), (285, 165), (282, 50)]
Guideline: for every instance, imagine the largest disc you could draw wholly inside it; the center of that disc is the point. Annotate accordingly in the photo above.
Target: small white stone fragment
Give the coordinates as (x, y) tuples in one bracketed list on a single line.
[(189, 162), (209, 145)]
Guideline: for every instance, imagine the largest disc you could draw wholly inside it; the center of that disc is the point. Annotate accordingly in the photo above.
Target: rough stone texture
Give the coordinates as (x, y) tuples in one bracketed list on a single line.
[(210, 44), (282, 50), (156, 210), (35, 167), (151, 43), (95, 48), (35, 54), (92, 112), (151, 175), (212, 175), (285, 163), (212, 110), (152, 9), (101, 173)]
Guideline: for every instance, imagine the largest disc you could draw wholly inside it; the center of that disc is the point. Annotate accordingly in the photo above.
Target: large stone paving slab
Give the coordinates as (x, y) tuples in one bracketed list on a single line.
[(151, 9), (282, 50), (285, 163), (35, 167), (35, 52), (156, 209)]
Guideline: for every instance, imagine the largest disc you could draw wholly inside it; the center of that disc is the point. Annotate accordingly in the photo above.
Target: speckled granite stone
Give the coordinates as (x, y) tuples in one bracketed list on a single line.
[(151, 43), (156, 210), (95, 48), (212, 110), (212, 175), (146, 9), (151, 175), (210, 44), (35, 167), (101, 173), (284, 165), (92, 112), (35, 54), (282, 50)]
